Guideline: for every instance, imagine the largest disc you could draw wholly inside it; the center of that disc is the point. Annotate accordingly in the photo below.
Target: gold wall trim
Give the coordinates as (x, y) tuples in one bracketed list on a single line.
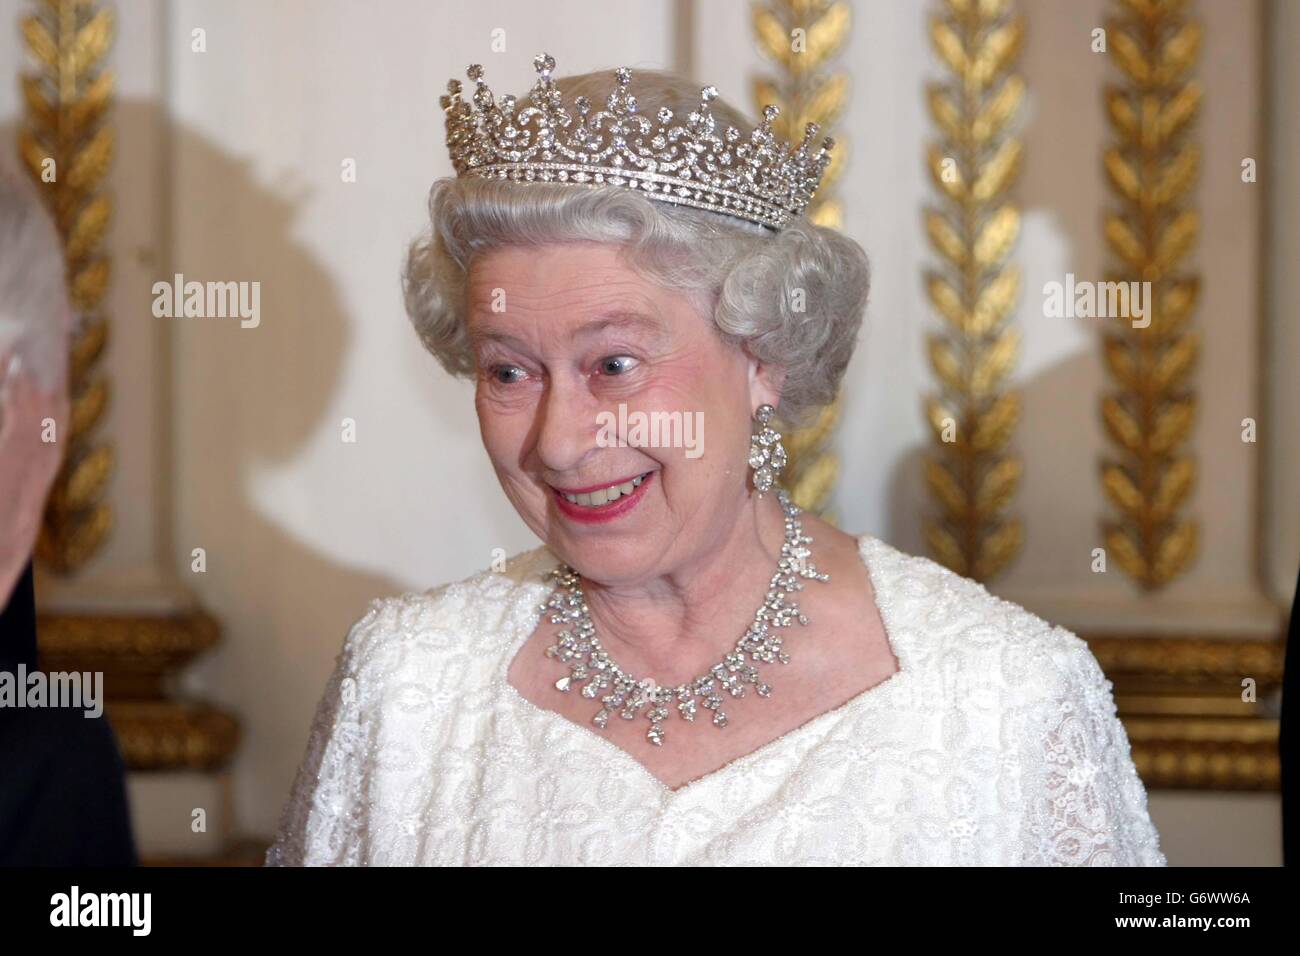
[(1191, 658), (1180, 699), (974, 162), (808, 90), (1151, 167), (66, 101), (137, 654), (172, 735), (1195, 754), (138, 641)]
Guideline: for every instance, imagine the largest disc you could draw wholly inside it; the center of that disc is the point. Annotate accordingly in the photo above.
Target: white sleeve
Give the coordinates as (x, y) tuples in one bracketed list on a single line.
[(323, 823), (1084, 804)]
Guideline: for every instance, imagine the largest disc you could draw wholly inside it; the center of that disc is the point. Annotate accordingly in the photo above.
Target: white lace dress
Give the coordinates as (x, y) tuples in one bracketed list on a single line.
[(996, 743)]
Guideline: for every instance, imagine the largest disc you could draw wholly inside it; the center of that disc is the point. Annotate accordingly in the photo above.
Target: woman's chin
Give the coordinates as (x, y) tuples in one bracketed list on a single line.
[(612, 565)]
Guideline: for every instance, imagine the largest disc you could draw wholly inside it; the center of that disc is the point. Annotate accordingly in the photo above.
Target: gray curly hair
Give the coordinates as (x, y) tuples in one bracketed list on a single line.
[(793, 299), (35, 315)]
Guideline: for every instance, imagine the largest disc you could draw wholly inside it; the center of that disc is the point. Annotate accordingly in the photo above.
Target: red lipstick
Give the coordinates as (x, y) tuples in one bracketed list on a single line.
[(599, 514)]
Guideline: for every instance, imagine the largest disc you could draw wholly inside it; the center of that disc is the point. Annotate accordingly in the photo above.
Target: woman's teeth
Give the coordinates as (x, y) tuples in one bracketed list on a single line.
[(603, 496)]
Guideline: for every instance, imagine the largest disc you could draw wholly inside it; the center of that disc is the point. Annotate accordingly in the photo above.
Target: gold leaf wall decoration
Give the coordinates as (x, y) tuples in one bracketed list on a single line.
[(973, 164), (808, 91), (65, 102), (1151, 166)]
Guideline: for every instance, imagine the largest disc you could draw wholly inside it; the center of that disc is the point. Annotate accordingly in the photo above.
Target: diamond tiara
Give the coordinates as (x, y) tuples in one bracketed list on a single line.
[(759, 178)]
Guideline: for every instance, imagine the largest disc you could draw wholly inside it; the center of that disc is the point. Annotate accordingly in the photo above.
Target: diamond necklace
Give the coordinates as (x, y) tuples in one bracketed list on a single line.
[(578, 646)]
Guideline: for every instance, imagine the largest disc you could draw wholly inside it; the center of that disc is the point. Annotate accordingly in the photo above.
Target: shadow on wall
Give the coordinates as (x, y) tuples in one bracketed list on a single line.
[(245, 401), (1057, 439)]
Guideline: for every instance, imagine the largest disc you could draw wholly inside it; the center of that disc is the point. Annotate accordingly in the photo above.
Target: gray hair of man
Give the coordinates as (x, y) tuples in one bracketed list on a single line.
[(793, 299), (35, 315)]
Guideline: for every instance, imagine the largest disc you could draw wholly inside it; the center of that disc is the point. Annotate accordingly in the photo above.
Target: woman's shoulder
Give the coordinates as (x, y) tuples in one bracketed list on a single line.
[(379, 719), (999, 675), (468, 618), (954, 622)]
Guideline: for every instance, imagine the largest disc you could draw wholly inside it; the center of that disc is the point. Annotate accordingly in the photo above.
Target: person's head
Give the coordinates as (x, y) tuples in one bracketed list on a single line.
[(580, 313), (35, 316), (35, 320)]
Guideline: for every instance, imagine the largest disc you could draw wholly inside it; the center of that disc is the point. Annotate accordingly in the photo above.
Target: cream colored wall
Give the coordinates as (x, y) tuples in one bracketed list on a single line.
[(232, 172), (1282, 300), (1218, 829)]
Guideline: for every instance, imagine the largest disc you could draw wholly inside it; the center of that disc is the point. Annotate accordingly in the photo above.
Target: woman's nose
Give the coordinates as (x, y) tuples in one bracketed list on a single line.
[(566, 427)]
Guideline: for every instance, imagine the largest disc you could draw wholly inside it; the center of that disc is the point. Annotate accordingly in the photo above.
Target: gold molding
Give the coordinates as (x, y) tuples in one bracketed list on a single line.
[(1151, 168), (973, 163), (172, 735), (66, 101), (1180, 699), (136, 653), (137, 649), (808, 90), (1205, 754), (1195, 658)]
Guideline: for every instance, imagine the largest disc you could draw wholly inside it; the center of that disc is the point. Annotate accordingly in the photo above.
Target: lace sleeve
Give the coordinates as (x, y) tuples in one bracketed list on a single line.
[(323, 820), (1084, 802)]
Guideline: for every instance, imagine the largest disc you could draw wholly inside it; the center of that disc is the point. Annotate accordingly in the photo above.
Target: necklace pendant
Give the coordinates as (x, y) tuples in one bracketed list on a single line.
[(588, 661)]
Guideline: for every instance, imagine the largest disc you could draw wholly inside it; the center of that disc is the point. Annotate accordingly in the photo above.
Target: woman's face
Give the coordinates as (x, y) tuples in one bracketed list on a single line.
[(592, 378)]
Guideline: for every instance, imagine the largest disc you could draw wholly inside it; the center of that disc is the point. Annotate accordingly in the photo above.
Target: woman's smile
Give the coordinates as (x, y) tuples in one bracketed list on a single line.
[(600, 503)]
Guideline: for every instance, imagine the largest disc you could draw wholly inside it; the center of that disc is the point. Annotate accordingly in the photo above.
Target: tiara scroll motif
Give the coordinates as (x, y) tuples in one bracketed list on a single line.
[(761, 178)]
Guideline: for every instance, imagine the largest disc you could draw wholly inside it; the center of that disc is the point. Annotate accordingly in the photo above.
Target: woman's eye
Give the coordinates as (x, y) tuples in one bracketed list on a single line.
[(617, 364), (507, 374)]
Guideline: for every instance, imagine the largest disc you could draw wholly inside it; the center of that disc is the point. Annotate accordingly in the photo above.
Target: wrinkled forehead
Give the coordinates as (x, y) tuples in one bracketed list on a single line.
[(555, 275), (574, 289)]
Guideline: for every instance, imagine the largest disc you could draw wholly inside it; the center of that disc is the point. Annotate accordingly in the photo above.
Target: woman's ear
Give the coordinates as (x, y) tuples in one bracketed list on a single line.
[(765, 383)]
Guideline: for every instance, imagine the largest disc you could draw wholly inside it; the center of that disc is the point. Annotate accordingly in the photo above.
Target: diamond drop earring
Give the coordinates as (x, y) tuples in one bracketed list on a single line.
[(766, 453)]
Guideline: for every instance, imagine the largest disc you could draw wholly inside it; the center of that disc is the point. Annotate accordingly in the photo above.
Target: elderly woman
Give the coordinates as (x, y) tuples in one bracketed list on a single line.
[(691, 670)]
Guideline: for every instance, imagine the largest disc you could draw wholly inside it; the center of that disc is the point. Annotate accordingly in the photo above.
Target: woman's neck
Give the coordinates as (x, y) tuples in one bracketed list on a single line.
[(676, 626)]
